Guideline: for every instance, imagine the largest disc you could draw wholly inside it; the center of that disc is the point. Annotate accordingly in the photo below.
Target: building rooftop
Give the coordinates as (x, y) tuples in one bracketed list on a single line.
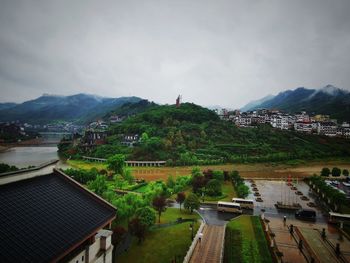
[(45, 217)]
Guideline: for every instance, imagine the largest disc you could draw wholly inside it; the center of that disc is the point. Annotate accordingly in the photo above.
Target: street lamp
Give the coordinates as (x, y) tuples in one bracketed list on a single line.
[(191, 229)]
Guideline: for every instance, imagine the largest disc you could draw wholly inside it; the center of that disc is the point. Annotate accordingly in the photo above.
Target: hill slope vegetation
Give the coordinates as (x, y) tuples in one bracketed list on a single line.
[(191, 134)]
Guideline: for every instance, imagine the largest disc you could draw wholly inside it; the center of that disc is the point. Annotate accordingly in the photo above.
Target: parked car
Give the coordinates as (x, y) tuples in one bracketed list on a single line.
[(306, 214)]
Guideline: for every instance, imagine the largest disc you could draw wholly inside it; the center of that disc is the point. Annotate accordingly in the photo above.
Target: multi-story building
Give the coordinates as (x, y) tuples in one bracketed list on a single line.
[(327, 128), (244, 121), (280, 122), (306, 127)]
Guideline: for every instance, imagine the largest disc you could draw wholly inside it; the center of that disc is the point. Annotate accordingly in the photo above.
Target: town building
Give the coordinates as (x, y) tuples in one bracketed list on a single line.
[(299, 122), (130, 139), (327, 128), (48, 217), (305, 127), (115, 119), (94, 137)]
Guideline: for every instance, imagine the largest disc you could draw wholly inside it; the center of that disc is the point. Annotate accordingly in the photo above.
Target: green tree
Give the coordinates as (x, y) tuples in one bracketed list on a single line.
[(127, 205), (180, 198), (159, 204), (336, 172), (127, 176), (346, 172), (4, 168), (325, 172), (144, 137), (99, 185), (213, 188), (116, 163), (196, 171), (146, 215), (218, 175), (170, 181), (191, 202), (242, 190), (137, 228)]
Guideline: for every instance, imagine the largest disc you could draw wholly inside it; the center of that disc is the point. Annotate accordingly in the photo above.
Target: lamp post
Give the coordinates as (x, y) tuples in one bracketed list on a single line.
[(191, 229)]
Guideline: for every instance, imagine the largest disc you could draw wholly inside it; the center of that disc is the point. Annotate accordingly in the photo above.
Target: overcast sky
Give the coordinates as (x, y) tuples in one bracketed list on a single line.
[(212, 52)]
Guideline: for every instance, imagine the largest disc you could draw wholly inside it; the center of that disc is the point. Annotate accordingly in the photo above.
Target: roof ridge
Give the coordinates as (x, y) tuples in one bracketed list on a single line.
[(81, 187)]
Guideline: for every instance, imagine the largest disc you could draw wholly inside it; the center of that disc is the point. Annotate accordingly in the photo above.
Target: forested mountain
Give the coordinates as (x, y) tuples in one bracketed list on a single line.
[(328, 100), (7, 105), (191, 134), (51, 108)]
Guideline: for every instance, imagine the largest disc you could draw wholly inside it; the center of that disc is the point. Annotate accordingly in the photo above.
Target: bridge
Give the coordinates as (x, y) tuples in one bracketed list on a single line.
[(129, 163)]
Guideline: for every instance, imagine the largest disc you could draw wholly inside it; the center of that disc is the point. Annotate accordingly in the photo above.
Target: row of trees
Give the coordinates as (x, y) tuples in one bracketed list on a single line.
[(336, 172), (327, 193), (238, 183), (4, 168)]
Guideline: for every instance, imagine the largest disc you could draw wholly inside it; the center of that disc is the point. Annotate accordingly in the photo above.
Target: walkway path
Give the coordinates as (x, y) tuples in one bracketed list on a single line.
[(286, 244), (209, 249)]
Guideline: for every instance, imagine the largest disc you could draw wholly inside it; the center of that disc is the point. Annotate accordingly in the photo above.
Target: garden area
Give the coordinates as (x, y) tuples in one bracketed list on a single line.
[(163, 244), (245, 241), (145, 221)]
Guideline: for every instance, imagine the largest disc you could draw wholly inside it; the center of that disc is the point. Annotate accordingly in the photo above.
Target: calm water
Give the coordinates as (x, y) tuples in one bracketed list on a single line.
[(25, 156), (36, 155)]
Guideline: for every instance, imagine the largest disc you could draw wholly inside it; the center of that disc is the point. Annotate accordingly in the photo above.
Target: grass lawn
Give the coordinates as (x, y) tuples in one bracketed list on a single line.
[(245, 241), (228, 192), (77, 164), (163, 244), (171, 214)]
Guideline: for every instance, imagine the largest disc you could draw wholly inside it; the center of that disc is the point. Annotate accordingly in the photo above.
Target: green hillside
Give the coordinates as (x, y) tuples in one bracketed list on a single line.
[(191, 134)]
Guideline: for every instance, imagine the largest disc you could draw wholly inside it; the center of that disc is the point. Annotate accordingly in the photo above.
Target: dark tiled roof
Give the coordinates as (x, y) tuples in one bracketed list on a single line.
[(43, 217)]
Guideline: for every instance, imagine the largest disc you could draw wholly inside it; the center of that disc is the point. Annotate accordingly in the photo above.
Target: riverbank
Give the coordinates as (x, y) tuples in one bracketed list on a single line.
[(26, 143)]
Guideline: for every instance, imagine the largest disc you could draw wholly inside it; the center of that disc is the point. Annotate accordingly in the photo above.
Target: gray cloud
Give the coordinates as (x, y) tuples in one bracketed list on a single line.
[(211, 52)]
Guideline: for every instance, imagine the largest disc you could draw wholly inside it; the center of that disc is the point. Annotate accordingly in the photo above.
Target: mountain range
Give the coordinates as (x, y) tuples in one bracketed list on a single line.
[(328, 100), (50, 108)]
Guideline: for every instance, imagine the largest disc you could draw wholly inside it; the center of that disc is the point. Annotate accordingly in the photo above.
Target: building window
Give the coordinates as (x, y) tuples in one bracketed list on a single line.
[(82, 258)]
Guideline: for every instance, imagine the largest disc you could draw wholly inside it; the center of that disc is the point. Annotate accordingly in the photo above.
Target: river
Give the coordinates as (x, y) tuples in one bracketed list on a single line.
[(24, 156)]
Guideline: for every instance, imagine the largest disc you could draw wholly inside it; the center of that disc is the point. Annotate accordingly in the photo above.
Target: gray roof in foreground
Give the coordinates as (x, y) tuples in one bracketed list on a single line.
[(44, 217)]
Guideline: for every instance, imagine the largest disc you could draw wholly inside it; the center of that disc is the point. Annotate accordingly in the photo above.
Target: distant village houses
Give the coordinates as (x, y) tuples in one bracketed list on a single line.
[(299, 122)]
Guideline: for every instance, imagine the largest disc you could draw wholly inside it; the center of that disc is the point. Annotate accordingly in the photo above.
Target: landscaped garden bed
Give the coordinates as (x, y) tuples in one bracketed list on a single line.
[(163, 244), (245, 241)]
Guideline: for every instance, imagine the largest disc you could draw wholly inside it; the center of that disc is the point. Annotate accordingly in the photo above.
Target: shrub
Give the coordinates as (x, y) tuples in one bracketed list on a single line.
[(219, 175), (180, 198), (346, 172), (336, 172), (325, 171), (213, 188), (146, 215), (191, 202)]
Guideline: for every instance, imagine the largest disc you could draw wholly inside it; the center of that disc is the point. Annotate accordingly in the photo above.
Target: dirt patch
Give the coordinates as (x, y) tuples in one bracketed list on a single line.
[(247, 171)]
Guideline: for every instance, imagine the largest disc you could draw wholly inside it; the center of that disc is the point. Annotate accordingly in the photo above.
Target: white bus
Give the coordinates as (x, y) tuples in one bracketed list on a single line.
[(245, 203), (337, 218), (229, 207)]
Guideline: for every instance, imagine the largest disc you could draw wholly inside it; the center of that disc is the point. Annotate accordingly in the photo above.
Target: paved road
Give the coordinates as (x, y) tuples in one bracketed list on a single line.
[(209, 249), (213, 217)]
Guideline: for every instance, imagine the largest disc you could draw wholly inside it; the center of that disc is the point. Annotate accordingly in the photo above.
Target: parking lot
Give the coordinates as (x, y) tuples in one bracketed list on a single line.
[(278, 191)]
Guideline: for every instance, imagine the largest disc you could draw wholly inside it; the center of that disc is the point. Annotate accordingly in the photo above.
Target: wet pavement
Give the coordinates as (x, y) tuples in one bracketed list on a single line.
[(271, 192), (278, 191), (213, 217)]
